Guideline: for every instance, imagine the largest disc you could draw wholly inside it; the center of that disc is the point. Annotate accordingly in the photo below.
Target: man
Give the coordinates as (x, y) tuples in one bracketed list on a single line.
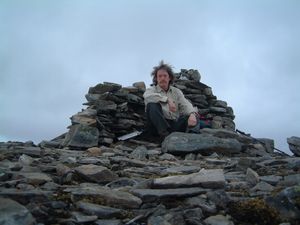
[(167, 109)]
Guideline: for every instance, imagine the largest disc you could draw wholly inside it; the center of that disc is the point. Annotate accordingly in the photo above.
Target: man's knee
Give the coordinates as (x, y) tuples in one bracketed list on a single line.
[(153, 107)]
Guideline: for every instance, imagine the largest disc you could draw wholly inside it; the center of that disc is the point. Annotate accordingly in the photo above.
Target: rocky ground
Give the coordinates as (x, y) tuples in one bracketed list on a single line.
[(222, 179)]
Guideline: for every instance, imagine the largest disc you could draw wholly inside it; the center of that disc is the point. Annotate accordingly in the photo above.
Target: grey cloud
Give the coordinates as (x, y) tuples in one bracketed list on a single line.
[(53, 51)]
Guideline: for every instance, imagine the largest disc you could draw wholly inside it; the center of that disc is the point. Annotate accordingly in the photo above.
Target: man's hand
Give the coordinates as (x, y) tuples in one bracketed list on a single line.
[(192, 121), (172, 106)]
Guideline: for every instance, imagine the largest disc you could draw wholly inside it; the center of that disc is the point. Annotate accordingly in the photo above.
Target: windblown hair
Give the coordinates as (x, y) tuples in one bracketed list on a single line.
[(164, 66)]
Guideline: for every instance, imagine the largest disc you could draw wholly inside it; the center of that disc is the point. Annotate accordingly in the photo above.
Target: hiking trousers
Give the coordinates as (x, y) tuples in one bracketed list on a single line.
[(157, 124)]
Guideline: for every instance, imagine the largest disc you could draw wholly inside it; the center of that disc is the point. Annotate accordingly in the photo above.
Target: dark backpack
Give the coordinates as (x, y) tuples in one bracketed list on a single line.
[(202, 122)]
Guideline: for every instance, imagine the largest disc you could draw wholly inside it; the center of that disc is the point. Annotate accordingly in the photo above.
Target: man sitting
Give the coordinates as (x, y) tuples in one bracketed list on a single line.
[(167, 109)]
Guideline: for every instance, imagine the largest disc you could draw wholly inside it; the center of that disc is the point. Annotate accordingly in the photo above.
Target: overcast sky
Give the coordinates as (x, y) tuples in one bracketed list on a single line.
[(51, 52)]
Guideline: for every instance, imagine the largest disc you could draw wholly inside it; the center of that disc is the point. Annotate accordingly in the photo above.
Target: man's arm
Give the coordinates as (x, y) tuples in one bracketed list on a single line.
[(152, 96), (186, 108)]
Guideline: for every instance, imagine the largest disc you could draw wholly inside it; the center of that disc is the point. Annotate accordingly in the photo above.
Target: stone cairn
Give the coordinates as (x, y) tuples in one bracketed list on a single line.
[(88, 176), (114, 110)]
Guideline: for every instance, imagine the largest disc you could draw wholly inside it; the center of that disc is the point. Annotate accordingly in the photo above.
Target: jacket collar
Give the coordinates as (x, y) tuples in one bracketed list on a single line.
[(159, 89)]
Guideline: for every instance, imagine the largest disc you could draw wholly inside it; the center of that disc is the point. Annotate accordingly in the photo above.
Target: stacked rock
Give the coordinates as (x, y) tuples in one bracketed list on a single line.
[(202, 96), (113, 110)]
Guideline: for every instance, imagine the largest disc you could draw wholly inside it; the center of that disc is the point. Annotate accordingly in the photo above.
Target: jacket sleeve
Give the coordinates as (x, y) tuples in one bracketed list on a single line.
[(185, 106), (151, 95)]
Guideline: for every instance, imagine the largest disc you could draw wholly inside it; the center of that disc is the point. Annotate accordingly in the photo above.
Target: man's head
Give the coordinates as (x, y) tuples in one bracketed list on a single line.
[(163, 75)]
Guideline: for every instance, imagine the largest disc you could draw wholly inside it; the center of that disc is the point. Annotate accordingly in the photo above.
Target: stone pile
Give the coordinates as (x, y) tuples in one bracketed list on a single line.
[(88, 176), (113, 110)]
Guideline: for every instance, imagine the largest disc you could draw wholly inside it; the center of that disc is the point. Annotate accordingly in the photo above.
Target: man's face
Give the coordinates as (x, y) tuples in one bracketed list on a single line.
[(163, 79)]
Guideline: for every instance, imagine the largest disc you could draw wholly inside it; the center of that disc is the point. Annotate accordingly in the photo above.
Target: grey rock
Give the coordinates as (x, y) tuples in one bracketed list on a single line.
[(224, 133), (290, 180), (102, 212), (213, 178), (32, 177), (238, 185), (149, 195), (175, 217), (25, 187), (75, 119), (220, 103), (218, 220), (122, 182), (219, 197), (24, 197), (82, 218), (268, 144), (25, 160), (94, 173), (246, 162), (179, 143), (93, 160), (158, 220), (131, 98), (8, 165), (252, 177), (130, 162), (216, 161), (205, 205), (193, 216), (140, 85), (106, 222), (190, 74), (50, 144), (208, 91), (31, 150), (105, 196), (217, 109), (168, 157), (294, 163), (82, 136), (13, 213), (190, 156), (181, 169), (286, 203), (272, 179), (294, 145), (139, 153), (105, 87), (262, 186)]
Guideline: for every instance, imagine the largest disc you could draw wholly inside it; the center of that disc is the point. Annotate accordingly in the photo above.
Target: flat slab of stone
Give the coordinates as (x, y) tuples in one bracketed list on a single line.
[(149, 195), (28, 150), (184, 143), (211, 178), (25, 197), (34, 178), (104, 196), (103, 212)]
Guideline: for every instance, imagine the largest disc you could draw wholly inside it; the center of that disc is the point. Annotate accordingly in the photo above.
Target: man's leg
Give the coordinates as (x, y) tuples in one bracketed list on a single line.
[(181, 124), (156, 122)]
